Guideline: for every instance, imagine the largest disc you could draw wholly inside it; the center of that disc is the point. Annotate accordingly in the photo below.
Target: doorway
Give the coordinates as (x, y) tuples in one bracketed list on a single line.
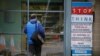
[(50, 14)]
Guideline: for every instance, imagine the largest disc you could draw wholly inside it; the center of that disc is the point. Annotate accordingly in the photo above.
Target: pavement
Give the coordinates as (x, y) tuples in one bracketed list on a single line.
[(53, 48), (50, 48)]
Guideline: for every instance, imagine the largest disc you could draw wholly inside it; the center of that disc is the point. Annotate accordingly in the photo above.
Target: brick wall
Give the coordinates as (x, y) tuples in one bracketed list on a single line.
[(96, 30)]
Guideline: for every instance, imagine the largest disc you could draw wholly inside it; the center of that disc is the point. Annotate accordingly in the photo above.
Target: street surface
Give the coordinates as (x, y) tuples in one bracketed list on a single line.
[(53, 48)]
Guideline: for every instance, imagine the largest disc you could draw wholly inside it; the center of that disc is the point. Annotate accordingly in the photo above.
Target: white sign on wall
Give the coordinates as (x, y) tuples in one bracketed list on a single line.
[(81, 29), (81, 34)]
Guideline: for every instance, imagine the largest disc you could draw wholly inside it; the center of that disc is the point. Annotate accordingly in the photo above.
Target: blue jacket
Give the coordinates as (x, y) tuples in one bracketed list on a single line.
[(31, 27)]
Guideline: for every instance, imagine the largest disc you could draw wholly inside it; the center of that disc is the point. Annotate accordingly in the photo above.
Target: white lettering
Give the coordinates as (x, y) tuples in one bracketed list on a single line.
[(79, 10), (85, 11)]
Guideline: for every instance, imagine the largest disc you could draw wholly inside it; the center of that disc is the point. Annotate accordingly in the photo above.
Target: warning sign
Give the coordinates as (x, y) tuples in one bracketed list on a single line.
[(81, 30)]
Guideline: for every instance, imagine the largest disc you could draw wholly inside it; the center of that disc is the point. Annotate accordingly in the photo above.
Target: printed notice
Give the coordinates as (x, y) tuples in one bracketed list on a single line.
[(81, 30)]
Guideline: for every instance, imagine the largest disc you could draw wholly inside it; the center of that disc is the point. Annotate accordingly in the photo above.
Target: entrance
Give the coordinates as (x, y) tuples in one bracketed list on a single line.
[(50, 14), (15, 14)]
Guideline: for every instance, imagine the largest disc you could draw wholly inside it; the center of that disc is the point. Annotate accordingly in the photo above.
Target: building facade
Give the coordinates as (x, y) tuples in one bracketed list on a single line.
[(15, 13)]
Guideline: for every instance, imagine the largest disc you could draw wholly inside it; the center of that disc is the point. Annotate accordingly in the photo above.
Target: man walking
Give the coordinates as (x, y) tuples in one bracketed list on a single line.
[(30, 29)]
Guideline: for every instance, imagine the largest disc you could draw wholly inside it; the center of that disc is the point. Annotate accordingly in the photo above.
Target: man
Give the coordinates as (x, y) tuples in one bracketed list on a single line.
[(32, 25)]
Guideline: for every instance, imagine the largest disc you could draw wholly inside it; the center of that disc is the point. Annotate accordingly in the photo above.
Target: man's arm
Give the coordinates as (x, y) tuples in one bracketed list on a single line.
[(41, 30)]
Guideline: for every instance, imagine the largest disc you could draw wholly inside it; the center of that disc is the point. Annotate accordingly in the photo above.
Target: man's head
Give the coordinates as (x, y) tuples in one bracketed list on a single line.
[(32, 16)]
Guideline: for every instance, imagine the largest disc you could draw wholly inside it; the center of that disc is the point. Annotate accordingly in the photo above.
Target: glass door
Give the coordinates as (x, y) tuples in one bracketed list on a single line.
[(50, 14)]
